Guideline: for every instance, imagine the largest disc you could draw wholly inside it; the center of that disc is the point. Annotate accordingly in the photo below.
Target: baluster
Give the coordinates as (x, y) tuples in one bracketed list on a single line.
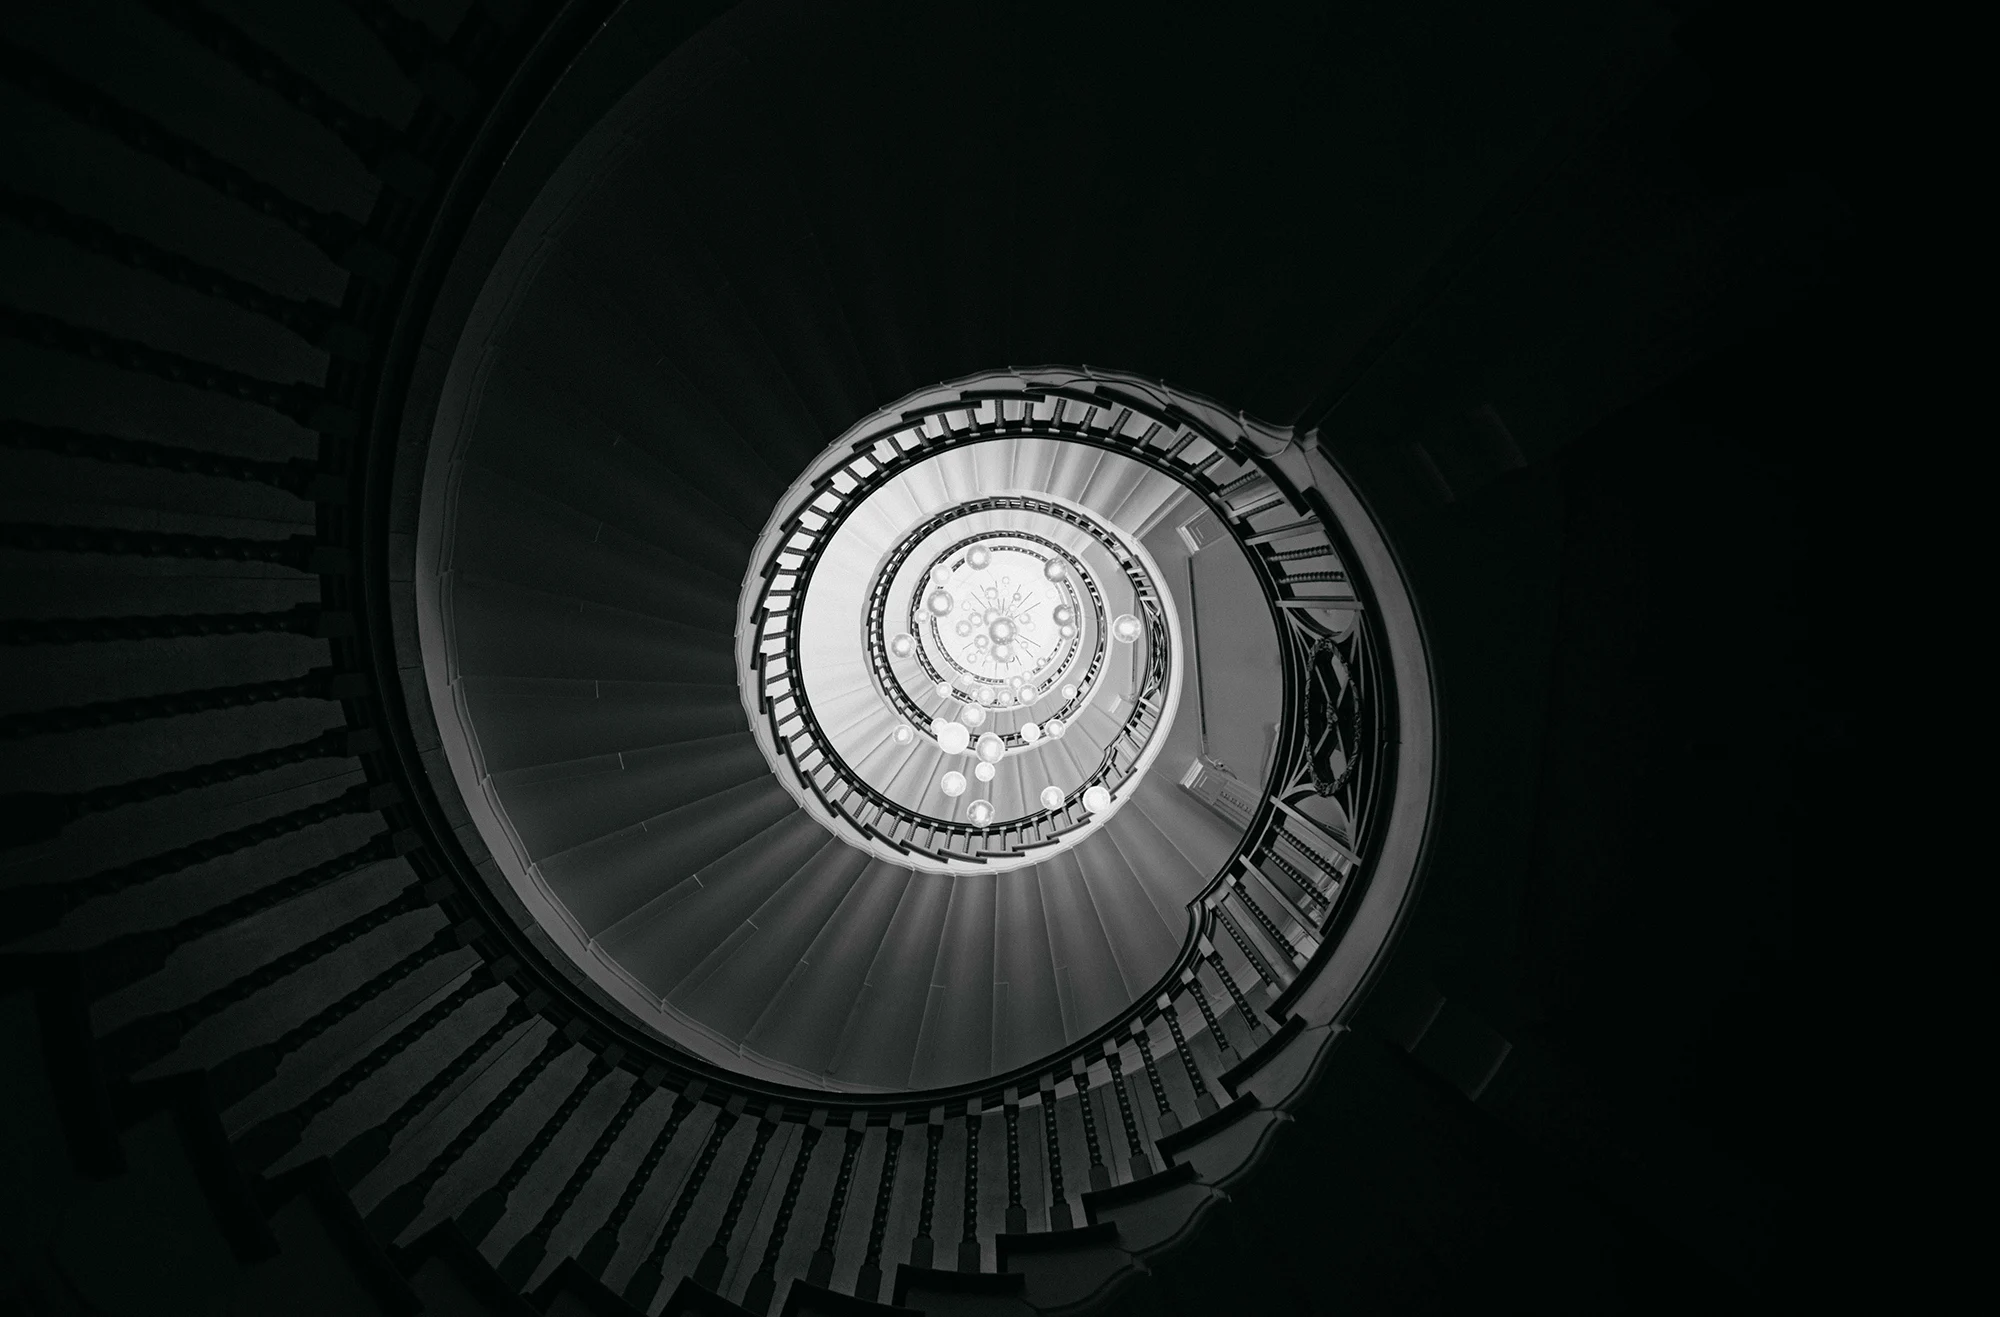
[(603, 1245), (368, 1149), (968, 1243), (1141, 1164), (39, 815), (300, 619), (145, 1040), (319, 684), (1307, 888), (1169, 1122), (301, 476), (1100, 1174), (1241, 890), (868, 1283), (485, 1211), (529, 1250), (715, 1261), (307, 404), (338, 236), (1222, 1044), (232, 1080), (125, 960), (645, 1282), (1204, 1105), (820, 1270), (405, 1203), (757, 1297), (277, 1135), (316, 322), (1255, 957), (1059, 1216), (921, 1249), (1235, 993), (1017, 1212)]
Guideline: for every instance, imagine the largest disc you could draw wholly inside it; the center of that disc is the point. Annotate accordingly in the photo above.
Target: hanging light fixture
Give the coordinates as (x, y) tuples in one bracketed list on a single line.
[(1052, 797), (991, 747), (904, 734), (952, 738), (952, 783), (980, 812), (1096, 799), (903, 645), (1127, 628), (984, 771)]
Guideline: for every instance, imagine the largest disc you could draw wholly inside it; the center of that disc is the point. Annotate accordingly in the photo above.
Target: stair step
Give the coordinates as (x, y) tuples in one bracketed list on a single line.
[(328, 1261), (453, 1280), (1066, 1269)]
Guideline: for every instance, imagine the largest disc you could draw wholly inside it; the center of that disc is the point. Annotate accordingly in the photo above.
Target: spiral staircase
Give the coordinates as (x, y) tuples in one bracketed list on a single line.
[(474, 833)]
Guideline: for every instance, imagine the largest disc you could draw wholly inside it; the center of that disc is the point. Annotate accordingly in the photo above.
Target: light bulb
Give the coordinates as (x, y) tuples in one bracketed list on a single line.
[(979, 557), (1030, 733), (1127, 628), (1001, 630), (984, 771), (1054, 727), (1068, 691), (943, 689), (1068, 631), (991, 747), (952, 784), (952, 738), (1096, 799), (964, 629), (984, 694), (980, 812), (904, 734), (1017, 681), (972, 715), (902, 645), (1052, 797), (940, 602), (1003, 652), (1063, 615), (1054, 569), (940, 574)]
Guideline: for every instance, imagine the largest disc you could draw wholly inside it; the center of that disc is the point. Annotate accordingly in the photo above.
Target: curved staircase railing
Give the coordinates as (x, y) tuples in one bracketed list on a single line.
[(1142, 1106)]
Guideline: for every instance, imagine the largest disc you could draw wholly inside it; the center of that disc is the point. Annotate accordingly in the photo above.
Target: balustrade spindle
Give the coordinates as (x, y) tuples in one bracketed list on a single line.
[(131, 957), (1204, 1105), (366, 1150), (478, 1220), (1307, 888), (145, 1040), (1100, 1174), (529, 1250), (603, 1245), (764, 1283), (921, 1250), (1250, 953), (715, 1261), (820, 1270), (1017, 1212), (405, 1203), (301, 553), (1059, 1215), (1141, 1164), (968, 1243), (868, 1283), (271, 1138), (1169, 1122), (645, 1282), (1192, 979), (301, 619), (1235, 993), (1241, 890)]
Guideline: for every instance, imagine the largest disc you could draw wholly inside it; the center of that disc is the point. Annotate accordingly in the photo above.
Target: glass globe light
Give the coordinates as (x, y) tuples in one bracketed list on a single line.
[(952, 784), (984, 771), (1068, 691), (1030, 733), (1068, 631), (1054, 569), (1127, 628), (943, 689), (940, 602), (940, 574), (981, 641), (1001, 630), (990, 616), (980, 812), (1096, 799), (903, 645), (991, 747), (984, 695), (964, 629), (1054, 727), (1001, 699), (1063, 615), (952, 738), (1003, 652), (1052, 797), (1017, 681), (904, 734), (979, 558)]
